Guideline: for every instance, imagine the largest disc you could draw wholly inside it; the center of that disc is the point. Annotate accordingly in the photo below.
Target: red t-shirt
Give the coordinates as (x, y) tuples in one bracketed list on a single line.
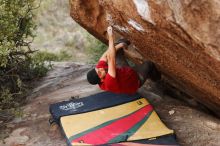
[(126, 80)]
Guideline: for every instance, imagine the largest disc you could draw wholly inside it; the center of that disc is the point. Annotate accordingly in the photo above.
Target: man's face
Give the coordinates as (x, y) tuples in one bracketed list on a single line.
[(101, 73)]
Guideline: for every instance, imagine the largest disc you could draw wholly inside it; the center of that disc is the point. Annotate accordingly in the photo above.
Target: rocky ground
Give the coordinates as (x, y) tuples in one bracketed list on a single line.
[(192, 126)]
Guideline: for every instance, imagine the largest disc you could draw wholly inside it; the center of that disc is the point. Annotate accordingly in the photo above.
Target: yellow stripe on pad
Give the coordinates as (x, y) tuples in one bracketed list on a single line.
[(153, 127), (74, 124)]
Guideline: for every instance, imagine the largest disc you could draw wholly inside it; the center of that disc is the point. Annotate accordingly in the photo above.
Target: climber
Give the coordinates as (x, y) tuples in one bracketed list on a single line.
[(116, 78)]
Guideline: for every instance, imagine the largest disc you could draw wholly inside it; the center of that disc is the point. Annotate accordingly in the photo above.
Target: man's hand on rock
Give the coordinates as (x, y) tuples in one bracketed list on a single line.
[(110, 31)]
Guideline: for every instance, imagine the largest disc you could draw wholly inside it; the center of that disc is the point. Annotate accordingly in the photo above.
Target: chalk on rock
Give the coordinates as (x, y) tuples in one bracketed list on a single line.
[(171, 112)]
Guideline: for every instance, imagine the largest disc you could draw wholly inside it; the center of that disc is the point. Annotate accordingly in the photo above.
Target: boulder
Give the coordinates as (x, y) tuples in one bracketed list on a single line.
[(181, 37)]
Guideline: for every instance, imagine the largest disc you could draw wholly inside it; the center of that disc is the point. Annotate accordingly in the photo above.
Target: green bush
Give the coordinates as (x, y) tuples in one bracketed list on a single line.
[(95, 49), (19, 64), (48, 56)]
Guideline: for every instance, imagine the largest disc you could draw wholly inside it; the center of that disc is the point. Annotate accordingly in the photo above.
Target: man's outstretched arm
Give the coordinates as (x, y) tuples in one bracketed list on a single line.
[(104, 55), (111, 54)]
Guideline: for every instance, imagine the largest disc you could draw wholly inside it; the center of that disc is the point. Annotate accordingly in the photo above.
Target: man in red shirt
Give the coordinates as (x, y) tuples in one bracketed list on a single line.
[(120, 79)]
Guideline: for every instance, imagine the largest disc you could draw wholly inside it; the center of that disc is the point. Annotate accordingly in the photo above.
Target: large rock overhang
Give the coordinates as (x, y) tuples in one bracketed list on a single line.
[(181, 37)]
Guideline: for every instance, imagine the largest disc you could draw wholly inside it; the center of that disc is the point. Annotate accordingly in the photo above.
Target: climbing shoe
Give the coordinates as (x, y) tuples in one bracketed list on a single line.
[(123, 40)]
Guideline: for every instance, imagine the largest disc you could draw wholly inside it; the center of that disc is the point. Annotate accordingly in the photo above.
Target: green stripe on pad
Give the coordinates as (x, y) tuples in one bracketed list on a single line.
[(123, 137)]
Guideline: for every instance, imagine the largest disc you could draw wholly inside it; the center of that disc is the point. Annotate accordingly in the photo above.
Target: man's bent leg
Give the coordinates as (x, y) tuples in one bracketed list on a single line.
[(147, 70), (120, 59)]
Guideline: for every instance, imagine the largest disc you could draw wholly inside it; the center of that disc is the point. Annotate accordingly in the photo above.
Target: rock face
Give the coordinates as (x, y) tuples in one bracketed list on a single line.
[(182, 37)]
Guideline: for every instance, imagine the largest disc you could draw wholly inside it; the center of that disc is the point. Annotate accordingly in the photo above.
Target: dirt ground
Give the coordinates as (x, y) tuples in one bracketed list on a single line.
[(193, 126)]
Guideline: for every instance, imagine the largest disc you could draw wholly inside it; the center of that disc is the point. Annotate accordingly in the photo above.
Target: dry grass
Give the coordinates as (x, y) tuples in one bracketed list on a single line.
[(57, 31)]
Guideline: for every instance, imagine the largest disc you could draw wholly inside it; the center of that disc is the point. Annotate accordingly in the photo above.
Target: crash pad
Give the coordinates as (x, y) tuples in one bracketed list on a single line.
[(111, 119)]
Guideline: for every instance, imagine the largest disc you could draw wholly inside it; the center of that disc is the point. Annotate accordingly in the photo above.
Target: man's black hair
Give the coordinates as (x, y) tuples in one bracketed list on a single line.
[(93, 77)]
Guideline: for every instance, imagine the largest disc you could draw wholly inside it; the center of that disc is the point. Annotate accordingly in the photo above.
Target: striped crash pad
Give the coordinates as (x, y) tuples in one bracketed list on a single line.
[(111, 119)]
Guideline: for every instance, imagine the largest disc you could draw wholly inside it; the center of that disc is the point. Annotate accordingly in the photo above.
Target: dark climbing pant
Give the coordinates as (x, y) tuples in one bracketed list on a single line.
[(145, 70)]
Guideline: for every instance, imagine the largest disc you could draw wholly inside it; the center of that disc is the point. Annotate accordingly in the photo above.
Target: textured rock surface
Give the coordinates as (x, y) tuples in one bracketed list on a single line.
[(181, 36), (192, 126)]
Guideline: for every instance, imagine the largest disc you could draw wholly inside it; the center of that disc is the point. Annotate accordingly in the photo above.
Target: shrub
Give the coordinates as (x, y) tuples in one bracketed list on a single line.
[(18, 65), (95, 49)]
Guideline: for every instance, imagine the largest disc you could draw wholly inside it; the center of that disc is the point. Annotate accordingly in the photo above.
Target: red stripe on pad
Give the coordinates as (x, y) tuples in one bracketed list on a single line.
[(118, 127)]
